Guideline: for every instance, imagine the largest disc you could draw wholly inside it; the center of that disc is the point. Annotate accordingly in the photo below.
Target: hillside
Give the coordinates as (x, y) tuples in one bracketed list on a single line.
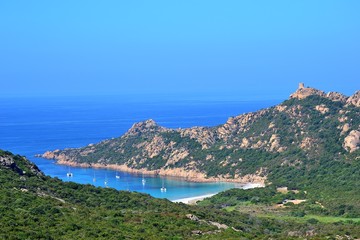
[(34, 206), (301, 131)]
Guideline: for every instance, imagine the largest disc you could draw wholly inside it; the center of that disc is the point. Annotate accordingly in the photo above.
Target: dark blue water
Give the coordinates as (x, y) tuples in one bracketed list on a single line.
[(29, 126)]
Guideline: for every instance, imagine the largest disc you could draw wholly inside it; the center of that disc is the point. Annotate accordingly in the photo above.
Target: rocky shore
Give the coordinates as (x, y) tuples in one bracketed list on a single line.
[(245, 149), (188, 175)]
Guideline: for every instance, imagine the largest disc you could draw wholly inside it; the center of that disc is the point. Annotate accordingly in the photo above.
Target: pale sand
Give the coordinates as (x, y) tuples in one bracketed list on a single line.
[(193, 200)]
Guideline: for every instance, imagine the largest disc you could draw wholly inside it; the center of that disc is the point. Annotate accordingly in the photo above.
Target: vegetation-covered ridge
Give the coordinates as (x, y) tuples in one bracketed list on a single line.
[(306, 131), (34, 206)]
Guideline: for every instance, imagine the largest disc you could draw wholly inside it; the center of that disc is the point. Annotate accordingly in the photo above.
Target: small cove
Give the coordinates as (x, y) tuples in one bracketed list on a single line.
[(32, 126)]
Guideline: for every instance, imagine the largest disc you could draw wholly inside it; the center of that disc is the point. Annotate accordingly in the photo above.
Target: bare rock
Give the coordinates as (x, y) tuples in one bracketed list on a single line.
[(337, 97), (145, 126), (354, 99), (219, 225), (245, 143), (322, 108), (154, 148), (345, 129), (201, 134), (307, 143), (192, 217), (274, 142), (352, 141), (303, 92)]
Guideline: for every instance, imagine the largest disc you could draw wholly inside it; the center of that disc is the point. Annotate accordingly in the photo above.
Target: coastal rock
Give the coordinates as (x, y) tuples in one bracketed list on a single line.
[(352, 141), (50, 154)]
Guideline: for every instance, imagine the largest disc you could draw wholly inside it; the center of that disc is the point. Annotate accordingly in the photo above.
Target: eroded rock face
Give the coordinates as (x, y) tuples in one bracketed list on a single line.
[(354, 99), (352, 141), (9, 162), (155, 146), (201, 134), (335, 96)]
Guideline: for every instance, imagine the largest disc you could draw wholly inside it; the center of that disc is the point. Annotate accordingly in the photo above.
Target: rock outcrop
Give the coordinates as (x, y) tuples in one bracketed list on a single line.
[(8, 160), (335, 96), (352, 141), (303, 92), (354, 99)]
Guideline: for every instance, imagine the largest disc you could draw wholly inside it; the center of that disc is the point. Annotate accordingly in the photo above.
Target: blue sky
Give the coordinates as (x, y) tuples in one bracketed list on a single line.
[(244, 49)]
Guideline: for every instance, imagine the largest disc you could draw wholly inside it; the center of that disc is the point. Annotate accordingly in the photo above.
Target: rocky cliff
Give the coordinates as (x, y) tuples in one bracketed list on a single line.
[(310, 126)]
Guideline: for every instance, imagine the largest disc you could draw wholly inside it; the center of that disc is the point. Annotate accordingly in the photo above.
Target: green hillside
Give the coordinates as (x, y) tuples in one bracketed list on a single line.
[(34, 206)]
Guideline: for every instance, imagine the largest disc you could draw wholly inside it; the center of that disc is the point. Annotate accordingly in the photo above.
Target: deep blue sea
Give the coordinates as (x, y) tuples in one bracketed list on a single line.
[(29, 126)]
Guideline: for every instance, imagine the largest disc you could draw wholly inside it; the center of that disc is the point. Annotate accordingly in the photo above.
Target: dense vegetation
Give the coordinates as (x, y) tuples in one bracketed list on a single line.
[(34, 206), (309, 154), (302, 144)]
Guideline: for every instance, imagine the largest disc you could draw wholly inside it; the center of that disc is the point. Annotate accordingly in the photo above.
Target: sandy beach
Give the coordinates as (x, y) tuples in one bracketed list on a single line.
[(193, 200)]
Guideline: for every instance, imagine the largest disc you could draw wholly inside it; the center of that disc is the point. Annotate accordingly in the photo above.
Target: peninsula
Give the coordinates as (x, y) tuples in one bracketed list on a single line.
[(311, 125)]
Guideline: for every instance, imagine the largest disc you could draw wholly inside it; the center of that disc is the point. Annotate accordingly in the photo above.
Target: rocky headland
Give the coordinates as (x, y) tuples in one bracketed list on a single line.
[(309, 126)]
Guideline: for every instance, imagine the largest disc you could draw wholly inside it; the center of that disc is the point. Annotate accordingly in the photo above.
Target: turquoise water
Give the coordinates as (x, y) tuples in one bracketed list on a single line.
[(29, 126)]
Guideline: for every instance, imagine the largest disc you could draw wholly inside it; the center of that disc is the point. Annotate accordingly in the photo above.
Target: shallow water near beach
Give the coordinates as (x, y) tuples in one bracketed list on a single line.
[(30, 126)]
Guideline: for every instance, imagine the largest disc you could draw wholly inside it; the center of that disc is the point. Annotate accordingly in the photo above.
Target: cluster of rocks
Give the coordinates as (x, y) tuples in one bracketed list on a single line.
[(7, 161), (304, 92)]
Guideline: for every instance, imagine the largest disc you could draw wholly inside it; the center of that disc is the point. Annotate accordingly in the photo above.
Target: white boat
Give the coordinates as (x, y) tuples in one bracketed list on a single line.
[(117, 175), (163, 188), (69, 173), (106, 180), (143, 181)]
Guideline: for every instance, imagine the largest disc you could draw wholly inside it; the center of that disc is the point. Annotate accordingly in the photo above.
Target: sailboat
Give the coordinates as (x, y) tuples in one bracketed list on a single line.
[(69, 173), (106, 180), (117, 175), (143, 181), (163, 188), (94, 178)]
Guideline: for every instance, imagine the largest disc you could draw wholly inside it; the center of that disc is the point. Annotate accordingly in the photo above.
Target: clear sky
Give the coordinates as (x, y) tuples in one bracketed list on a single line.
[(246, 49)]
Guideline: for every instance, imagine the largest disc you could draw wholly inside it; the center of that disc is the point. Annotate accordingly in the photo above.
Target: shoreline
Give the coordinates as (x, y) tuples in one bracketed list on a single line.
[(184, 174), (190, 176), (194, 200)]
